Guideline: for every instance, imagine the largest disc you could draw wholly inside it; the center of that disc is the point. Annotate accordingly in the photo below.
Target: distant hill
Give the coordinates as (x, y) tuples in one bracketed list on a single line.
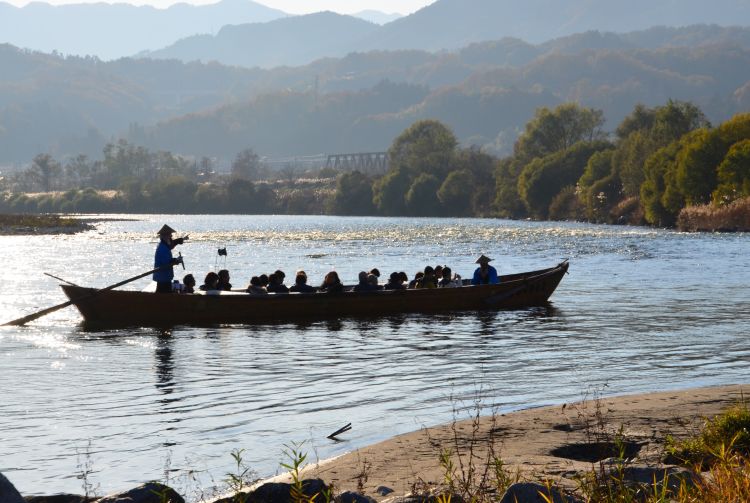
[(377, 17), (289, 41), (452, 24), (115, 30), (486, 92)]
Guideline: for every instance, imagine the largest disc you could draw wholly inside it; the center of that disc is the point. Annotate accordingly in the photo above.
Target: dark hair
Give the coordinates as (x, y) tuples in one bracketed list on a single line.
[(375, 271), (263, 279), (395, 276), (447, 272), (273, 279), (255, 281), (429, 269), (403, 276), (280, 274), (301, 278), (190, 278), (210, 278), (223, 272)]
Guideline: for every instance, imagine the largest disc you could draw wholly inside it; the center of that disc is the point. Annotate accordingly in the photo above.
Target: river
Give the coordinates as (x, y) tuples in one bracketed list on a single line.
[(641, 310)]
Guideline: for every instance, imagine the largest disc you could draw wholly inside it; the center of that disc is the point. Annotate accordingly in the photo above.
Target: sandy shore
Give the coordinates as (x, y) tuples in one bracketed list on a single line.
[(525, 440)]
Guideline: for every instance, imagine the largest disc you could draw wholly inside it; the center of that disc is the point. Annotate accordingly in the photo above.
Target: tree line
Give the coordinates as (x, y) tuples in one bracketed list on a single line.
[(564, 166)]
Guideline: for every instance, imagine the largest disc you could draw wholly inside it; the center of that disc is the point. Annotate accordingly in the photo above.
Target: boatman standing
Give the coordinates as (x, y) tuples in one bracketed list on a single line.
[(485, 273), (163, 257)]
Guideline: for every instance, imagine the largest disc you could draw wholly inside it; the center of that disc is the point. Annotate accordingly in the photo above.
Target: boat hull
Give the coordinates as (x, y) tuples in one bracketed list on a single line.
[(133, 308)]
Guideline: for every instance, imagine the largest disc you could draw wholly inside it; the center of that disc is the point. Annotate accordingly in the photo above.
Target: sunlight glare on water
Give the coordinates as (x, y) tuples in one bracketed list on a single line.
[(642, 309)]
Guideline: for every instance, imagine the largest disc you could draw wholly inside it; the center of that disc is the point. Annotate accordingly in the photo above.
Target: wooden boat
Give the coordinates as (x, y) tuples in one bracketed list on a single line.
[(134, 308)]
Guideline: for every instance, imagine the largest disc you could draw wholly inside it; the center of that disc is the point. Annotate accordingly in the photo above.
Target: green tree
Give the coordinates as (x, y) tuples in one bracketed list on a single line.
[(696, 166), (426, 147), (551, 131), (456, 192), (353, 195), (421, 199), (543, 178), (389, 193), (508, 202), (481, 167), (734, 174)]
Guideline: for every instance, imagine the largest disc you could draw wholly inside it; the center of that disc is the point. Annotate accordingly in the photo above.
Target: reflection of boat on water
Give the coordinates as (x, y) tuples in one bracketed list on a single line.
[(141, 308)]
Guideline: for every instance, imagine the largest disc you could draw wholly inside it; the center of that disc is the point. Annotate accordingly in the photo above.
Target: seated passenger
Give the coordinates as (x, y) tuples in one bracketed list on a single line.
[(485, 273), (224, 283), (300, 284), (332, 283), (188, 284), (264, 280), (447, 281), (376, 272), (417, 279), (281, 275), (438, 272), (275, 285), (394, 282), (210, 282), (428, 279), (255, 287), (364, 284), (373, 280)]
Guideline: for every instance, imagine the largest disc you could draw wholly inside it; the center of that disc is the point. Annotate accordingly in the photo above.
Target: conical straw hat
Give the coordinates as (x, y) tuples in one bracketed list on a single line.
[(483, 260), (166, 230)]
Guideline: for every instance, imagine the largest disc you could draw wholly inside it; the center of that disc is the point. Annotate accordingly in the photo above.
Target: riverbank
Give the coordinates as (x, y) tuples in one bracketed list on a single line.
[(14, 225), (555, 443)]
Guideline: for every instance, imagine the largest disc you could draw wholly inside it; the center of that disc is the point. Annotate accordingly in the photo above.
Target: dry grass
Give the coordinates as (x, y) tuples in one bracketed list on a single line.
[(733, 217)]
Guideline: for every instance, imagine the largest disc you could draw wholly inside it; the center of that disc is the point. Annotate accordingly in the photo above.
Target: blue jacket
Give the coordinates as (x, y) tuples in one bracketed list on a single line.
[(491, 279), (162, 257)]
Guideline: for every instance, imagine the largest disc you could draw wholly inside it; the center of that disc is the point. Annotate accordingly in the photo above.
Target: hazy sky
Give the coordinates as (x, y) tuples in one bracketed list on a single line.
[(291, 6)]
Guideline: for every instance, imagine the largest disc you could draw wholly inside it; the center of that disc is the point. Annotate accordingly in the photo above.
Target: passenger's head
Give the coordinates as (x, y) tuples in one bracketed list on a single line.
[(255, 281), (264, 280), (447, 272), (439, 271), (188, 280), (403, 276), (280, 274), (375, 272), (332, 278), (273, 279), (429, 271), (363, 277), (395, 278), (372, 279), (211, 281), (419, 275), (300, 278), (224, 276)]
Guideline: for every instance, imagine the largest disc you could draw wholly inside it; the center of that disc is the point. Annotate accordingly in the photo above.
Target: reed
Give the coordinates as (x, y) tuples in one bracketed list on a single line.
[(733, 217)]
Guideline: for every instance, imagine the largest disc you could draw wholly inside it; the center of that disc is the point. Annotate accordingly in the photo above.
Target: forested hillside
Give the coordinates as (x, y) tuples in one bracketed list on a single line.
[(485, 92)]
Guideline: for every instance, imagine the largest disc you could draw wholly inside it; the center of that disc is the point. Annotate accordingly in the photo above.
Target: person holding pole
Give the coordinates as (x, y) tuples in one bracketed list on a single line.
[(163, 257)]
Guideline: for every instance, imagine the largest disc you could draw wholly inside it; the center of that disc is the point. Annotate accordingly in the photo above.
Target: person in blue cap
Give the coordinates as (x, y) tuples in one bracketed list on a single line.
[(163, 257)]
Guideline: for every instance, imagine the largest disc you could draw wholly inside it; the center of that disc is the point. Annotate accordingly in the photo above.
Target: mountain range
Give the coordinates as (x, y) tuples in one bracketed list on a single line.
[(446, 25), (247, 33), (485, 92)]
